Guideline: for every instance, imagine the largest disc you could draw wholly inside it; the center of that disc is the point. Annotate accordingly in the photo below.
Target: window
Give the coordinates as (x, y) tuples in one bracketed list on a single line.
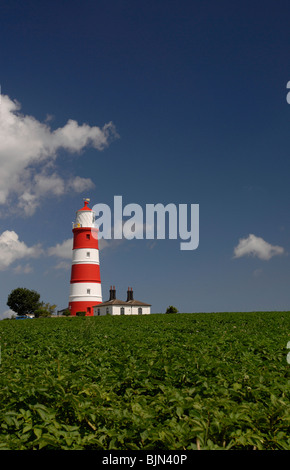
[(88, 291), (99, 311), (139, 311), (89, 309), (107, 310), (88, 254), (122, 311), (88, 236)]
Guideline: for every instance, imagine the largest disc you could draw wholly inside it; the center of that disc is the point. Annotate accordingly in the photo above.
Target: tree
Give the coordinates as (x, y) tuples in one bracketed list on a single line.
[(44, 310), (171, 309), (23, 301)]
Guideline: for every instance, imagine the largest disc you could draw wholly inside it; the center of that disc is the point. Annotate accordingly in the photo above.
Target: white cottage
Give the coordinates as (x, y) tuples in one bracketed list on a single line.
[(115, 306)]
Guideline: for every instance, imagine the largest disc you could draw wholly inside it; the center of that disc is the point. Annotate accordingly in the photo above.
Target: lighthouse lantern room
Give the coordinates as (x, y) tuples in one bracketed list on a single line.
[(85, 283)]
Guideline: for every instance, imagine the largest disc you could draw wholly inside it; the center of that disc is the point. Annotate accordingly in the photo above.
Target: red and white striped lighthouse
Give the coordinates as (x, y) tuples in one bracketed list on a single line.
[(85, 283)]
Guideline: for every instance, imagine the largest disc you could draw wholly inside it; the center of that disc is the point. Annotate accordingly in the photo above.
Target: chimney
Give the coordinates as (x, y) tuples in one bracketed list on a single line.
[(129, 294), (112, 293)]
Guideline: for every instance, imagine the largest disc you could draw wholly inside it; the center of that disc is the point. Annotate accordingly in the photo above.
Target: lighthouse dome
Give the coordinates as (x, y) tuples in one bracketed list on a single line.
[(85, 217)]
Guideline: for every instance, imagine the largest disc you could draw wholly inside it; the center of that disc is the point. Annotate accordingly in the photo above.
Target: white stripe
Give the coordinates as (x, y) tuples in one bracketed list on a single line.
[(79, 292), (85, 256)]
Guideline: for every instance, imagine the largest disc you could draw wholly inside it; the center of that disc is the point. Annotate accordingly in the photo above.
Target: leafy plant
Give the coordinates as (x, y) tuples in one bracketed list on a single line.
[(187, 381)]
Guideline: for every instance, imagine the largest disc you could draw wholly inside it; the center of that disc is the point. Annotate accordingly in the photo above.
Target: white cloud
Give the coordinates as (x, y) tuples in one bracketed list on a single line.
[(257, 272), (28, 151), (12, 249), (62, 250), (256, 246), (79, 184), (62, 265), (19, 269), (110, 244), (7, 314), (103, 244)]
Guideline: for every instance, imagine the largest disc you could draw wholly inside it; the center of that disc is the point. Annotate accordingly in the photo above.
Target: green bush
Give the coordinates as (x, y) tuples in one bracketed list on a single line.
[(171, 309), (66, 312), (81, 314)]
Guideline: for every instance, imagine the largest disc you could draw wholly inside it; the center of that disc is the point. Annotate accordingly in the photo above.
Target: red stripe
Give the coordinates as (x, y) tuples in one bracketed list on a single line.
[(76, 282), (85, 273), (85, 238), (82, 307)]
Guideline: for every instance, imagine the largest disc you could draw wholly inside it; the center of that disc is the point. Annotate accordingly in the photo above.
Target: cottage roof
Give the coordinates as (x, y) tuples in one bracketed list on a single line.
[(137, 303), (130, 300)]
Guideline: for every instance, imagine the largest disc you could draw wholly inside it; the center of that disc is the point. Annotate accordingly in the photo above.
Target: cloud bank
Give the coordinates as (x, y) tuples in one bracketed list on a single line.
[(12, 249), (257, 247), (62, 250), (28, 152)]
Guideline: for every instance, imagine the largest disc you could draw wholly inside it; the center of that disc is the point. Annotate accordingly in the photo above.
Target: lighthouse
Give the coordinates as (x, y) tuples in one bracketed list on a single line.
[(85, 283)]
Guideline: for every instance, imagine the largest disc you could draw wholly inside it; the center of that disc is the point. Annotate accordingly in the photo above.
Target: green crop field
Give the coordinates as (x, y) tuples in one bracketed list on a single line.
[(171, 382)]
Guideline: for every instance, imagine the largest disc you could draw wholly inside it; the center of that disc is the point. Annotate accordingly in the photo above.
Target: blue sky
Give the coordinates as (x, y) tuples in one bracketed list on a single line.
[(160, 102)]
